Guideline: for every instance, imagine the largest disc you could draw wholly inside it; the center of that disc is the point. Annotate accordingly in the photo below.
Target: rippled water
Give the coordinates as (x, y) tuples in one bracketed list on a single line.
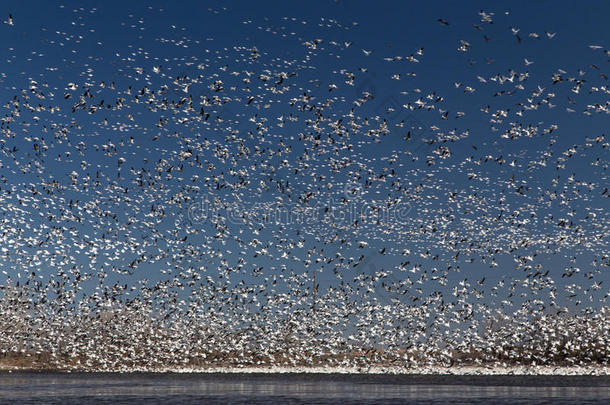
[(82, 388)]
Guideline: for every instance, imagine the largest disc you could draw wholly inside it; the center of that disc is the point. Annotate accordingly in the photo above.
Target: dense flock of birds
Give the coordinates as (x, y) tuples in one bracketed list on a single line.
[(198, 206)]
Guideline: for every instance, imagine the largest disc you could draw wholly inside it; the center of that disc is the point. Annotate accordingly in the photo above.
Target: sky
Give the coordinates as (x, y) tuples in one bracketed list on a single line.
[(477, 186)]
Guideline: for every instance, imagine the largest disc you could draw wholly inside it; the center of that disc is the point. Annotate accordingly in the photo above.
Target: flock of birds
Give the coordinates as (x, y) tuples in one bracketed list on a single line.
[(232, 206)]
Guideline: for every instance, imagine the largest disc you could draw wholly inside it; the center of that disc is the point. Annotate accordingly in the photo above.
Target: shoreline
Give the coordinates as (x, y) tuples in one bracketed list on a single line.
[(429, 370)]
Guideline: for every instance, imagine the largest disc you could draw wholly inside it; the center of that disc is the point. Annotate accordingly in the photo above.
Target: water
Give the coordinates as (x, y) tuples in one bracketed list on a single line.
[(144, 388)]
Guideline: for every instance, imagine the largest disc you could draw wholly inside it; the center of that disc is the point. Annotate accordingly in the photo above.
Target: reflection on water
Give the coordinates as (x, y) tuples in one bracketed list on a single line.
[(297, 389)]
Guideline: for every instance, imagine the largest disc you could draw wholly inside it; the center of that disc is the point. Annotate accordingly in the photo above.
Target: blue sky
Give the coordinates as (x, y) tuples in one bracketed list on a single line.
[(153, 43)]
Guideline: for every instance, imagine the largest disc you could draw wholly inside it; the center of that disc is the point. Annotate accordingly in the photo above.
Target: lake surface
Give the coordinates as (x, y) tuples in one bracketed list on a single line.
[(145, 388)]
